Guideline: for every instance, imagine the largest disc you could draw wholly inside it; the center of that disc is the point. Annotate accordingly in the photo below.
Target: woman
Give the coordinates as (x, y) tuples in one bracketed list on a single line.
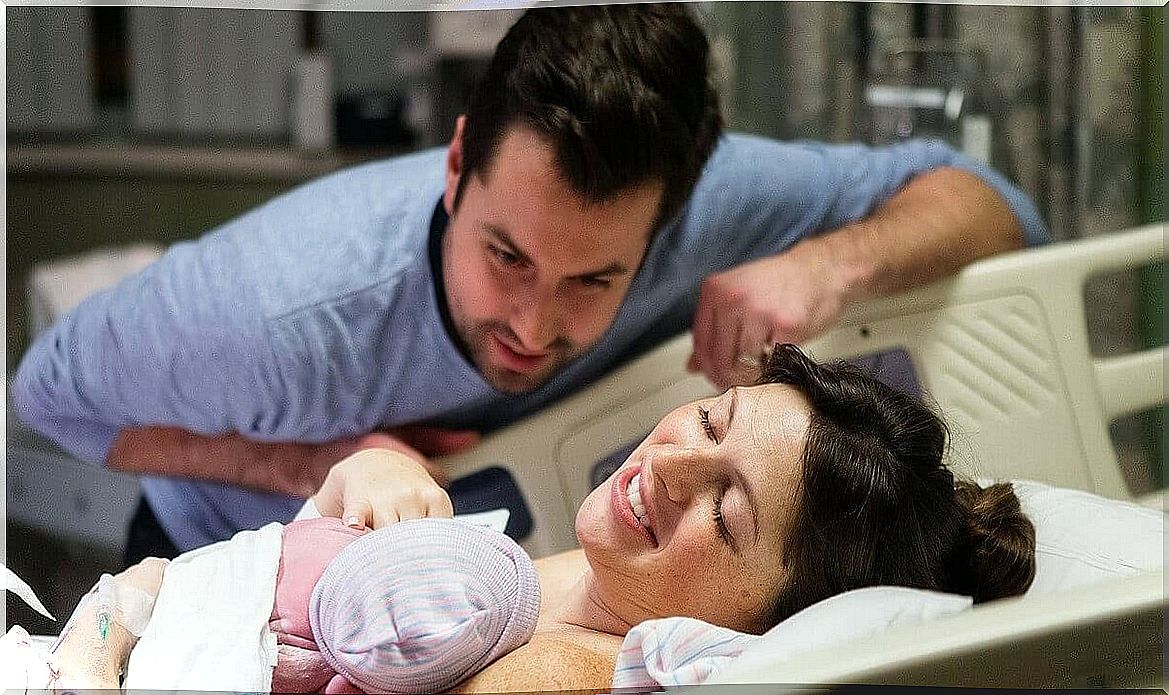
[(739, 510)]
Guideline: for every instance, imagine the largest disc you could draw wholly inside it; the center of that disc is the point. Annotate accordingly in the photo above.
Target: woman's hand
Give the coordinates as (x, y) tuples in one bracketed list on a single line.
[(146, 576), (103, 629), (379, 487)]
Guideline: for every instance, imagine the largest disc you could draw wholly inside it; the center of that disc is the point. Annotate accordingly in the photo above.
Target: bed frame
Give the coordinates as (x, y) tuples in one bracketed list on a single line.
[(1003, 349)]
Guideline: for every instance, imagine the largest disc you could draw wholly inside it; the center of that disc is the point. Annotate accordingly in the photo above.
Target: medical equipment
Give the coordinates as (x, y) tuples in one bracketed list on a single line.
[(1002, 347), (932, 88)]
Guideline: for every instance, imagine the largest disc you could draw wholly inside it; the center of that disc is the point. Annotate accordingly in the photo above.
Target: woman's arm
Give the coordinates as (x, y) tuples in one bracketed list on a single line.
[(103, 630)]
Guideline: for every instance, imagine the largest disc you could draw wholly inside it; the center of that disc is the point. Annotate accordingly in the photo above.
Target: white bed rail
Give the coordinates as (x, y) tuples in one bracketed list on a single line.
[(1003, 348)]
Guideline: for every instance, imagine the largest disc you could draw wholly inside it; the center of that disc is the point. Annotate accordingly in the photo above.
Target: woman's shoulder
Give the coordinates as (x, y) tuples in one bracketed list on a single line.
[(563, 658)]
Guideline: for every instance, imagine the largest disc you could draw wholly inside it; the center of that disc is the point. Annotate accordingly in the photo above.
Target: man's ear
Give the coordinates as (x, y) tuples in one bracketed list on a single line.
[(454, 166)]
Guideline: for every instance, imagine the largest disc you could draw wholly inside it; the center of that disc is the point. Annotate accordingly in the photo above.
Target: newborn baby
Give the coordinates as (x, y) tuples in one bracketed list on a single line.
[(414, 607)]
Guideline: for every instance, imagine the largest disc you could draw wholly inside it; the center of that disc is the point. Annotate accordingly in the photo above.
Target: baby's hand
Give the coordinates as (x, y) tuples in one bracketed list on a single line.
[(379, 487)]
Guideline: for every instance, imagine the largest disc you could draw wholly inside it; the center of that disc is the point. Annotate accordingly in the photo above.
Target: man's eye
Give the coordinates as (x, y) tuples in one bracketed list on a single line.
[(505, 257), (600, 283)]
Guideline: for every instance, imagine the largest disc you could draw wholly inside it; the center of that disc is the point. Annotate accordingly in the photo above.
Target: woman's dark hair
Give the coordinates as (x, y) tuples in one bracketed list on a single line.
[(879, 507), (621, 92)]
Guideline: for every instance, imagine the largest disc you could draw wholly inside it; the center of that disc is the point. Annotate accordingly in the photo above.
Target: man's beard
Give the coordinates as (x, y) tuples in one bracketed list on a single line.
[(476, 340)]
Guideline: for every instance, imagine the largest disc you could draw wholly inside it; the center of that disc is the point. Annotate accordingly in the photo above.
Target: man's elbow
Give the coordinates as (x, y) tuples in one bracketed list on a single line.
[(42, 403), (30, 397), (993, 225)]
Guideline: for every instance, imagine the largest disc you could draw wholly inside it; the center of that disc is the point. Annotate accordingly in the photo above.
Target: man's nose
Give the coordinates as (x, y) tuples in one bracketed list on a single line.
[(534, 319)]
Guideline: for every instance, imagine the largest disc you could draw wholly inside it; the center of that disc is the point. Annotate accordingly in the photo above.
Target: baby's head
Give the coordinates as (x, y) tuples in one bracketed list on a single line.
[(421, 605)]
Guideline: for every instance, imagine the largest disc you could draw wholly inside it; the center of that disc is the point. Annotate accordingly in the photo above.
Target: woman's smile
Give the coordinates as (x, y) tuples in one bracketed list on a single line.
[(629, 504)]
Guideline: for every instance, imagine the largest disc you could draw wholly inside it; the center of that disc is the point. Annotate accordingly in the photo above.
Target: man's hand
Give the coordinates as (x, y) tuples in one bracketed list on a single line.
[(743, 312), (435, 441), (379, 487), (938, 222)]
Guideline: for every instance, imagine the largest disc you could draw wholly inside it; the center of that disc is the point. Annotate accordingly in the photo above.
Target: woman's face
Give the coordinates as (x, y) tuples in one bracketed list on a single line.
[(694, 523)]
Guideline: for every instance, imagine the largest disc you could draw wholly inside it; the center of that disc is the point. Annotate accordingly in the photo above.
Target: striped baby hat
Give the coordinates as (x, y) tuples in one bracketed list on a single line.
[(421, 605)]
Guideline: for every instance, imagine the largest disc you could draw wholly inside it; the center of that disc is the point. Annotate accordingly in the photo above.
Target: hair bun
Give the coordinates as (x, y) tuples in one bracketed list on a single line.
[(998, 559)]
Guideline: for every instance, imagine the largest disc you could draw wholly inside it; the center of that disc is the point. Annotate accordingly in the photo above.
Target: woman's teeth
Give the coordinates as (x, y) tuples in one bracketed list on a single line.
[(634, 494)]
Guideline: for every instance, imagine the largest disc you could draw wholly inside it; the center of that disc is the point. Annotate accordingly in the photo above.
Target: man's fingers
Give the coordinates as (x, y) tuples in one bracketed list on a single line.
[(700, 329), (750, 353), (720, 359)]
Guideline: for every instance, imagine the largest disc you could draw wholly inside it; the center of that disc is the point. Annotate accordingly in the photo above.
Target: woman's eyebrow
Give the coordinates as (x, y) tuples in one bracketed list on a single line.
[(752, 502)]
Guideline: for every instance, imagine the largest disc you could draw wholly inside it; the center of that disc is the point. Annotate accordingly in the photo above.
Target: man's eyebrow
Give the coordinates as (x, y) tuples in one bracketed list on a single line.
[(752, 501)]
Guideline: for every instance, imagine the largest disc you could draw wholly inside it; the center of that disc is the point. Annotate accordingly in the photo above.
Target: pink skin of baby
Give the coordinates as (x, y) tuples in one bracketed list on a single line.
[(307, 549)]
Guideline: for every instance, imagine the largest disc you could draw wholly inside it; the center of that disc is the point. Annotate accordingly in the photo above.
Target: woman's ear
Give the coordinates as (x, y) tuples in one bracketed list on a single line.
[(454, 166)]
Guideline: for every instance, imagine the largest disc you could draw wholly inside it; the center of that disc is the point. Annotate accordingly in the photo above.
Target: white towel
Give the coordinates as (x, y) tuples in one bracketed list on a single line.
[(21, 588), (210, 630)]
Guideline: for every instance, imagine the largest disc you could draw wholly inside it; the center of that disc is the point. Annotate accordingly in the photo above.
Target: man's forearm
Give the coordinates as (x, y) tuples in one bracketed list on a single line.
[(936, 224), (296, 469)]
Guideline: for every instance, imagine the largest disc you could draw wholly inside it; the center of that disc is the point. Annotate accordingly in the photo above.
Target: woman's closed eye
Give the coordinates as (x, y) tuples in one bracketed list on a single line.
[(723, 532), (704, 418)]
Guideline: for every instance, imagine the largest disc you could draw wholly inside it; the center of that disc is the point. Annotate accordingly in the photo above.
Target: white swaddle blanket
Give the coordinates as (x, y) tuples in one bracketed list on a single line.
[(210, 630)]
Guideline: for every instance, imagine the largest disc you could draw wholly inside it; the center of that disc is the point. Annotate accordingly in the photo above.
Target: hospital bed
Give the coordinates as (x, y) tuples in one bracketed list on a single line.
[(1003, 350)]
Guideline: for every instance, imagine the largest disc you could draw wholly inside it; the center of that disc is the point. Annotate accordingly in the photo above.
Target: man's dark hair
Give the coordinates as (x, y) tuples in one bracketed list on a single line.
[(621, 92), (877, 504)]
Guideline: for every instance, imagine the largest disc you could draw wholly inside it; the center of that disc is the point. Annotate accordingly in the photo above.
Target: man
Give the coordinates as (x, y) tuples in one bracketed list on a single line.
[(586, 208)]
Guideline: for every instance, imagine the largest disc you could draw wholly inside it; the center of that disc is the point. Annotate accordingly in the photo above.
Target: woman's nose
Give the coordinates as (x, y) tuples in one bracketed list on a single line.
[(681, 470)]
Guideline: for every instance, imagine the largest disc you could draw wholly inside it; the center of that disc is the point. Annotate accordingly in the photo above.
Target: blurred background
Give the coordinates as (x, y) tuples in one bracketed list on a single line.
[(130, 128)]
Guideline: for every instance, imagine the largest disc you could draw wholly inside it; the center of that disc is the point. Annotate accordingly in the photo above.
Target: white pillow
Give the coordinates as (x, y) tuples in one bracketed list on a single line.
[(1081, 538), (857, 613)]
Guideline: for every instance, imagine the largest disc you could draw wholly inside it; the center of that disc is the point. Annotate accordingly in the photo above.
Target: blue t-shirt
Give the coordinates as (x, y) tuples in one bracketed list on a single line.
[(315, 316)]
